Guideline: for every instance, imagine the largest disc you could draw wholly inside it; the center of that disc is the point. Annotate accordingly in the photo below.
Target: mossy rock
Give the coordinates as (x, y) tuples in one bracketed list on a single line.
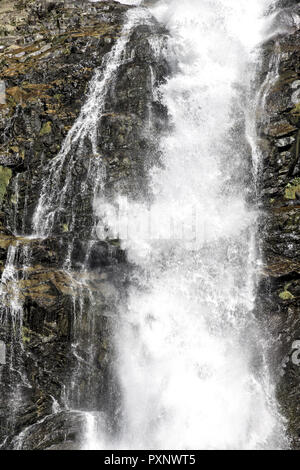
[(46, 129), (292, 189), (5, 176), (296, 110), (286, 295), (26, 335)]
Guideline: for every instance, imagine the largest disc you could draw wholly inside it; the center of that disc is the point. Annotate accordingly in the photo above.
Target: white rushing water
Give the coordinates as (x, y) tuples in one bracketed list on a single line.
[(190, 354)]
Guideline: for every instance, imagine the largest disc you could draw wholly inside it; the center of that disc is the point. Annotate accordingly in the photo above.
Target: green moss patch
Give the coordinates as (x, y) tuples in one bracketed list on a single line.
[(46, 129), (5, 176), (26, 335), (286, 295), (296, 109), (292, 188)]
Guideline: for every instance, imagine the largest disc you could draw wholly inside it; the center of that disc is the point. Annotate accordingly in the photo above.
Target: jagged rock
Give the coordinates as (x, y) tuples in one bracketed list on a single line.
[(280, 184), (50, 51)]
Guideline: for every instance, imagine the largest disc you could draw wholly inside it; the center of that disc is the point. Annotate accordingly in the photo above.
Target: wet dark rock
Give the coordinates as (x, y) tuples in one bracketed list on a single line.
[(60, 431), (280, 185), (49, 55)]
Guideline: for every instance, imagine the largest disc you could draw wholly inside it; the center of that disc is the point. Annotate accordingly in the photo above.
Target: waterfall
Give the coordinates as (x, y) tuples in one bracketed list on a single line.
[(11, 319), (57, 186), (190, 355), (190, 359)]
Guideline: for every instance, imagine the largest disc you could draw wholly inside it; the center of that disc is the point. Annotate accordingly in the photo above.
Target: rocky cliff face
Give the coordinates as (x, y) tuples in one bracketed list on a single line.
[(68, 281), (280, 190)]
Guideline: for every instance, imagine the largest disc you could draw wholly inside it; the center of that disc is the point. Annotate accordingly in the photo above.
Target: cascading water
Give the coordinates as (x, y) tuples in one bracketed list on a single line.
[(190, 354), (49, 218), (83, 134), (11, 318), (190, 358)]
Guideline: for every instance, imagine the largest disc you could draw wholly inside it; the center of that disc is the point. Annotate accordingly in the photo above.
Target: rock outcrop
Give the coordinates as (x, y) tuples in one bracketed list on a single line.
[(280, 191), (56, 321)]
